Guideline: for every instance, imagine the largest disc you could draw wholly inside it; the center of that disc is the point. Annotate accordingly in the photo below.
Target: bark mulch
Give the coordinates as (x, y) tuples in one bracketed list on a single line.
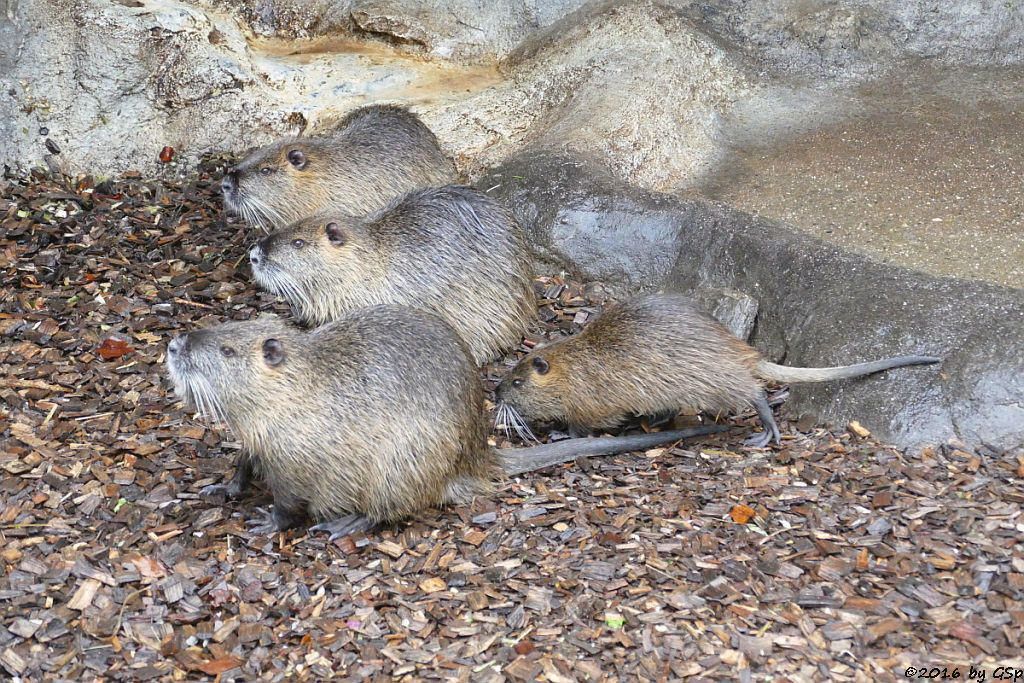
[(830, 557)]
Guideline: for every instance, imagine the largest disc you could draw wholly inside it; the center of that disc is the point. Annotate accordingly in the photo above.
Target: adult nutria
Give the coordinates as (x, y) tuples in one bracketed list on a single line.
[(650, 355), (362, 421), (374, 154), (451, 250)]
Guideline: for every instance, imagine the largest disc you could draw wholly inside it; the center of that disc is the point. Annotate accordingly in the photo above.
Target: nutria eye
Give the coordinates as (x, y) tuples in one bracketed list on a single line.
[(266, 170), (227, 351), (541, 366), (516, 383), (298, 244)]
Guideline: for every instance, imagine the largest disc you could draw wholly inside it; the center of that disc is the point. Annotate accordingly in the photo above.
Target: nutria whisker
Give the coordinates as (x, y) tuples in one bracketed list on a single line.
[(209, 407), (286, 286), (268, 213), (501, 420), (510, 417)]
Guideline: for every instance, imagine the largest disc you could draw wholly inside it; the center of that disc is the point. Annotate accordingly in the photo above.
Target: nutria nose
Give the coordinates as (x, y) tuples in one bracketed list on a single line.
[(230, 181), (255, 254), (177, 345)]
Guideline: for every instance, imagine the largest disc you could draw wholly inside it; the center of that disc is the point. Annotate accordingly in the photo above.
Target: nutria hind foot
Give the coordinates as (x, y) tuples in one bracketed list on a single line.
[(281, 518), (344, 526), (238, 483), (770, 431)]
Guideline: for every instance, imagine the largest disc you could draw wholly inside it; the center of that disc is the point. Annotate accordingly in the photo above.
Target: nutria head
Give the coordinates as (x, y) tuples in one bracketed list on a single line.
[(321, 265), (535, 388), (373, 155), (282, 182), (232, 371)]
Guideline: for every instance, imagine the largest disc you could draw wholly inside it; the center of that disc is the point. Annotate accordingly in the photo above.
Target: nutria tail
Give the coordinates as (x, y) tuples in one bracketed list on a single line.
[(782, 373), (518, 460)]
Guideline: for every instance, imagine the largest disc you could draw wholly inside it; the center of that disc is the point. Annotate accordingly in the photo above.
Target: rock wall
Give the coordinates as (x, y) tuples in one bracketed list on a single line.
[(644, 84), (112, 84), (829, 39)]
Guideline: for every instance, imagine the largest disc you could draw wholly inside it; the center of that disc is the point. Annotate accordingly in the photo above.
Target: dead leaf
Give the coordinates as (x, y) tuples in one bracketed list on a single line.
[(113, 348), (741, 514)]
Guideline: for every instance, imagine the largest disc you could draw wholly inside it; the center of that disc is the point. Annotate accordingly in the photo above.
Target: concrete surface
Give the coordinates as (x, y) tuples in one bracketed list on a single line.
[(923, 169)]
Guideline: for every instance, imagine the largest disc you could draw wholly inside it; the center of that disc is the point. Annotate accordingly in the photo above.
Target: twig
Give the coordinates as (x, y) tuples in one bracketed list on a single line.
[(193, 303), (120, 615)]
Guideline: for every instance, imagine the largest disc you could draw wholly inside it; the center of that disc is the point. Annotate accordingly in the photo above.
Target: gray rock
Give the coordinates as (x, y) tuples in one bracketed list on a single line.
[(578, 216), (866, 36), (817, 305), (115, 82), (636, 84), (736, 310), (464, 30)]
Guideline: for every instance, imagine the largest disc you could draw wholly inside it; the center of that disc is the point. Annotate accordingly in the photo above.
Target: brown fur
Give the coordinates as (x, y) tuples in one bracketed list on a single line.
[(649, 356), (450, 250), (378, 414), (373, 155)]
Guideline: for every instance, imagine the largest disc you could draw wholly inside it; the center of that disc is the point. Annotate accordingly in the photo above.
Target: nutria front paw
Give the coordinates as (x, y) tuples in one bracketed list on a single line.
[(344, 526)]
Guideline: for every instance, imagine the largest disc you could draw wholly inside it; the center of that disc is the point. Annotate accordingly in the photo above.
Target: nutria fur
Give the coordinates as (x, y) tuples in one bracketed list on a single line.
[(450, 250), (373, 155), (365, 420), (650, 355)]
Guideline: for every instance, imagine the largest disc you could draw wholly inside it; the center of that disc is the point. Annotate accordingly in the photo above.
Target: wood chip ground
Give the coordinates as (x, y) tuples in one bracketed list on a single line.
[(832, 557)]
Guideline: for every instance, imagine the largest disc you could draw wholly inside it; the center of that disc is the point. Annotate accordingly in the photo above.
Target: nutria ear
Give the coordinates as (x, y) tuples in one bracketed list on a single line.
[(540, 365), (335, 234), (297, 159), (273, 352)]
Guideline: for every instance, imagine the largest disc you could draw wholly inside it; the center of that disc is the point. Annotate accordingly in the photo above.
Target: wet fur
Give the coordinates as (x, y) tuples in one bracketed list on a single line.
[(374, 154), (649, 356), (450, 250), (378, 414)]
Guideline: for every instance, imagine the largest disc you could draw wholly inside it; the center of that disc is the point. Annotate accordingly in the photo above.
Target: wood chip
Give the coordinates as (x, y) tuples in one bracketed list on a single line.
[(84, 595)]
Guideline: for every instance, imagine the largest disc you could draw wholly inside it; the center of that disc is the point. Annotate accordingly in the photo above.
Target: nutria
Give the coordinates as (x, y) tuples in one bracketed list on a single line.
[(650, 355), (373, 155), (362, 421), (451, 250)]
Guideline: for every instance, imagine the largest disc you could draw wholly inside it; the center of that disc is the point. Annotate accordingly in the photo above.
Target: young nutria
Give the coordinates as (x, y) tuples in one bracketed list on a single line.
[(374, 154), (365, 420), (650, 355), (450, 250)]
